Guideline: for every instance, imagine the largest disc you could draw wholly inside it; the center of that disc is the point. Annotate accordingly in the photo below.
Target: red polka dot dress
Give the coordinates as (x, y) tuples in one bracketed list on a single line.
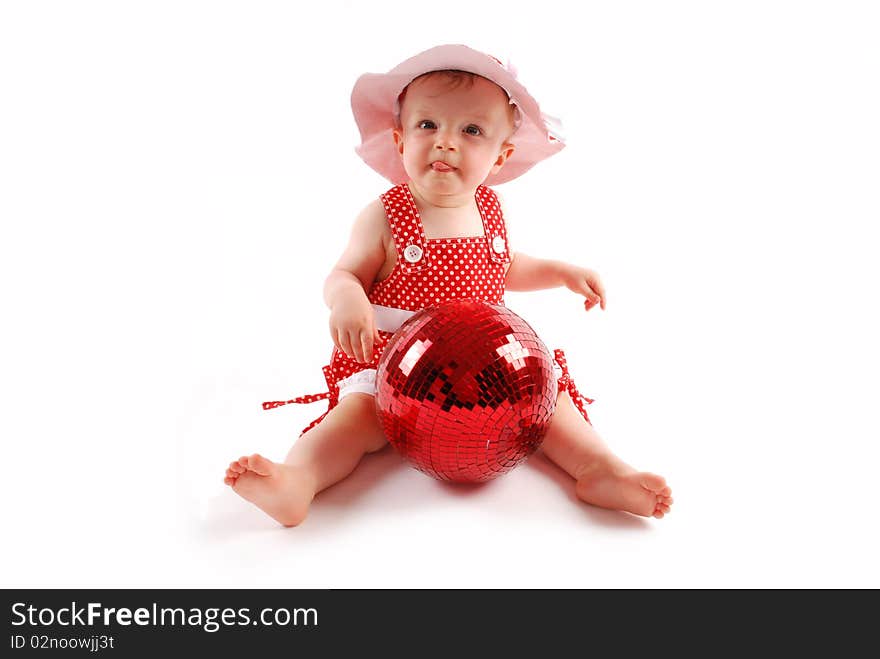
[(428, 272)]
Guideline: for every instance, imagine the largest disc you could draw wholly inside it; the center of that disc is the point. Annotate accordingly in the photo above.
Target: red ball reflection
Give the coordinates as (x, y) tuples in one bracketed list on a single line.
[(465, 390)]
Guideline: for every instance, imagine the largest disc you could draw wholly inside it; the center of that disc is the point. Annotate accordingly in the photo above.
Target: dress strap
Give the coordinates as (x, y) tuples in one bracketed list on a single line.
[(493, 224), (567, 384), (299, 400), (332, 394), (406, 228)]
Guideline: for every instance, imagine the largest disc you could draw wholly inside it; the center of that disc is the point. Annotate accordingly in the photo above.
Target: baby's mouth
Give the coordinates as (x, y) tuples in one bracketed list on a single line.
[(440, 166)]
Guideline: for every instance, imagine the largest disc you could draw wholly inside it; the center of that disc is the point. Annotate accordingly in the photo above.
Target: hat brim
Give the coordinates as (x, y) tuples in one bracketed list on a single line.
[(374, 98)]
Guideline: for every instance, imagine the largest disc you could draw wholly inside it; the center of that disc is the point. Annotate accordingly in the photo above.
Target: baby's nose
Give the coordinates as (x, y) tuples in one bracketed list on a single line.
[(445, 142)]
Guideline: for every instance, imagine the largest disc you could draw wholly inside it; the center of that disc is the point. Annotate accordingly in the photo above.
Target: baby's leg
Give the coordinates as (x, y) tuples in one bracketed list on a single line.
[(602, 478), (321, 457)]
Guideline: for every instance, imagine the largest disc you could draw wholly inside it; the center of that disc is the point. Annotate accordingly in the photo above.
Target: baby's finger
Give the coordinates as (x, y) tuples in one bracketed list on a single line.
[(591, 296), (367, 344), (594, 282), (354, 342), (591, 299), (344, 343), (600, 291)]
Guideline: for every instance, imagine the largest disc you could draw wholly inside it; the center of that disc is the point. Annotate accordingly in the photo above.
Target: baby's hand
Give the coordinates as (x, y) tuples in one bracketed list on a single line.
[(353, 328), (587, 283)]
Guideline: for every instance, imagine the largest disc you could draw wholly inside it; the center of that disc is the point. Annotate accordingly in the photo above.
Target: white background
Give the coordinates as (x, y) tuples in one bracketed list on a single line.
[(177, 178)]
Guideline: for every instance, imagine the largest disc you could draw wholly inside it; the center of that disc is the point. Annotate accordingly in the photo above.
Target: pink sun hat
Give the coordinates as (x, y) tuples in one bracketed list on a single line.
[(374, 103)]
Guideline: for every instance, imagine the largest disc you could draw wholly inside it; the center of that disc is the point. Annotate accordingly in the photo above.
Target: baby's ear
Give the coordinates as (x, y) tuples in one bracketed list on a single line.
[(507, 150), (398, 140)]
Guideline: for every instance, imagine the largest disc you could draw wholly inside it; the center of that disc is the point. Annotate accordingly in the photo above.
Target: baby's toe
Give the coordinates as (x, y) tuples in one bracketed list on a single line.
[(653, 482), (261, 465)]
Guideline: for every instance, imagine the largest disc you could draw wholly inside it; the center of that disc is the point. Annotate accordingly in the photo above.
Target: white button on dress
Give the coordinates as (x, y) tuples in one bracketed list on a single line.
[(412, 253)]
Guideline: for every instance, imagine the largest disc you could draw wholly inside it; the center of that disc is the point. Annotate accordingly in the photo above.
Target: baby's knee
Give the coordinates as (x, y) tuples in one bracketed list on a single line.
[(376, 443), (363, 420)]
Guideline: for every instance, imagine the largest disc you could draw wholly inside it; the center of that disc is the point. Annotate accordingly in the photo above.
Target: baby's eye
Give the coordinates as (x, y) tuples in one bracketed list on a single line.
[(473, 130), (427, 124)]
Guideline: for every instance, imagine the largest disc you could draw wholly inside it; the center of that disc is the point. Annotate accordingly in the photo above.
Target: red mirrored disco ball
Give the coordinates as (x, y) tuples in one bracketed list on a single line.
[(465, 390)]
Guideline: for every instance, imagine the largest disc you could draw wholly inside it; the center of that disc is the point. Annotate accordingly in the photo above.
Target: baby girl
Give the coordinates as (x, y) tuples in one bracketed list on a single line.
[(442, 126)]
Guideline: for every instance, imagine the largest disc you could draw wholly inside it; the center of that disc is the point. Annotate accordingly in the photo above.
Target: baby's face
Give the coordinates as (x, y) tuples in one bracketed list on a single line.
[(453, 136)]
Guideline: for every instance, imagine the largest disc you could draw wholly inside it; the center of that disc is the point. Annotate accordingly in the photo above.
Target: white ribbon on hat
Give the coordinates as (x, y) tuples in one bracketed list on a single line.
[(553, 126)]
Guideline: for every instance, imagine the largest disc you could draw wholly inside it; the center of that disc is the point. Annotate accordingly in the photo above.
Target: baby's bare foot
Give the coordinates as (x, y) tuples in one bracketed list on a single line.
[(282, 491), (640, 493)]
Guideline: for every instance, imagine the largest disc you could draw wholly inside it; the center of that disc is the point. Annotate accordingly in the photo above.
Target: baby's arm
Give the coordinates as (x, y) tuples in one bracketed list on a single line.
[(527, 273), (352, 323)]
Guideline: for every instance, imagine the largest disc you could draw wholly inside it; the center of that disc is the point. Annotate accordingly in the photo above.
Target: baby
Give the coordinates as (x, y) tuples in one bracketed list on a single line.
[(442, 126)]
